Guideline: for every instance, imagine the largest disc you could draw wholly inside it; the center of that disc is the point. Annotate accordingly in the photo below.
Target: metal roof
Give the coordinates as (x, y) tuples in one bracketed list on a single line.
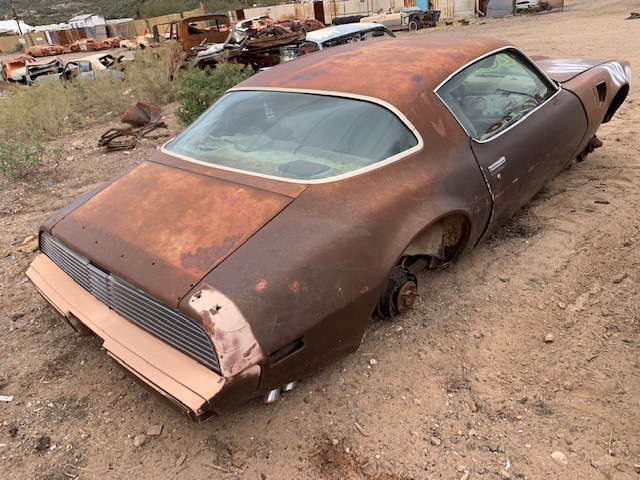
[(395, 70), (81, 17)]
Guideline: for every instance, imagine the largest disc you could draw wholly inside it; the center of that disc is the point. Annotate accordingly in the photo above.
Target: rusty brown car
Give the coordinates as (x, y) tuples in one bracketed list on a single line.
[(88, 45), (190, 32), (255, 246), (46, 50)]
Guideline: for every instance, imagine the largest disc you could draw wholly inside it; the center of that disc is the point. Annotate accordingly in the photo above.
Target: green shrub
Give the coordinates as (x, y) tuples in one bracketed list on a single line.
[(158, 8), (197, 90), (19, 158)]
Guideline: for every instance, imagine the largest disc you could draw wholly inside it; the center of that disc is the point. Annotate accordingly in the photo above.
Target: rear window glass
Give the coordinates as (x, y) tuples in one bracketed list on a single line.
[(294, 135)]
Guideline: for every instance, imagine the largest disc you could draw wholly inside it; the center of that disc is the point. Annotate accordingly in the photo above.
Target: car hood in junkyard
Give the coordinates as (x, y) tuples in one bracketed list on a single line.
[(162, 228)]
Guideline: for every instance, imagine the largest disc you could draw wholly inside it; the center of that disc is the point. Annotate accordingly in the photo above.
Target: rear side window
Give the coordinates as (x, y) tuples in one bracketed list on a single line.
[(494, 93)]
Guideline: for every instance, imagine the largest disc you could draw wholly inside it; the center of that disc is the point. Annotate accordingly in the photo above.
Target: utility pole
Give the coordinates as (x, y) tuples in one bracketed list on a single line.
[(15, 16)]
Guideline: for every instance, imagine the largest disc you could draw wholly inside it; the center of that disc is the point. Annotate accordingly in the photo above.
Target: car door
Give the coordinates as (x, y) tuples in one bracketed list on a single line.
[(523, 128)]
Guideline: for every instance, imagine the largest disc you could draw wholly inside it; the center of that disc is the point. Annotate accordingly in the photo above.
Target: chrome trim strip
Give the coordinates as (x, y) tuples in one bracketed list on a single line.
[(133, 304), (555, 85), (493, 52)]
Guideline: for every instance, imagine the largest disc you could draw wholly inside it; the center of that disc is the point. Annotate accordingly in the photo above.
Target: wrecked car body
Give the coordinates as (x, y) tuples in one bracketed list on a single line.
[(190, 32), (96, 66), (15, 69), (88, 45), (140, 42), (34, 71), (99, 65), (259, 48), (46, 50), (253, 248), (333, 36), (302, 24), (407, 18), (26, 69), (293, 25)]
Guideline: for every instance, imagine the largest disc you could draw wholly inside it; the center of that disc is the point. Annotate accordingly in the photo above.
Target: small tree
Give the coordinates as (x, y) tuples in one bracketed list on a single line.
[(197, 89)]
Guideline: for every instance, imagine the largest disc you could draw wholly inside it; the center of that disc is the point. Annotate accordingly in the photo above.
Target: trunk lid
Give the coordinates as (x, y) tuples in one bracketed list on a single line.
[(163, 229)]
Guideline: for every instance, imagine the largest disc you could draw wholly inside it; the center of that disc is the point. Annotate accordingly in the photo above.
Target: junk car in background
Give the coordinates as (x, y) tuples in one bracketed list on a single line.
[(408, 18), (46, 50), (334, 36)]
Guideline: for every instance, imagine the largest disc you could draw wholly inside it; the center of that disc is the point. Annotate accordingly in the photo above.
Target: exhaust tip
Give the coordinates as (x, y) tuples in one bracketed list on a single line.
[(272, 396), (287, 387)]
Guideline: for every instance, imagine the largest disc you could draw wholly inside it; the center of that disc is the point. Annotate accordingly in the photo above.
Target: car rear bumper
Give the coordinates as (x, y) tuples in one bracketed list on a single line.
[(191, 388)]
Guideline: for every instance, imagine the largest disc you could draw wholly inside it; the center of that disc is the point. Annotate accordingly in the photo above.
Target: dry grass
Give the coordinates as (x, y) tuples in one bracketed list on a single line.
[(53, 109)]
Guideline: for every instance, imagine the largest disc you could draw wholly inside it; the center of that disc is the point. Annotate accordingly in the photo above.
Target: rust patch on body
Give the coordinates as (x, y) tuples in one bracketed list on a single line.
[(159, 222), (192, 260), (232, 336), (332, 69), (190, 221), (261, 285), (294, 287)]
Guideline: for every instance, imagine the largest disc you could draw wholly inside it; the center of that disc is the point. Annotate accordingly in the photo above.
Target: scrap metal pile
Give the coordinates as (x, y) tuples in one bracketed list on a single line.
[(143, 119), (256, 41), (259, 48)]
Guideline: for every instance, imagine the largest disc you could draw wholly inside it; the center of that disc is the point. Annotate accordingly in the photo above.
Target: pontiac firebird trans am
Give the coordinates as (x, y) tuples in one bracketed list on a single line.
[(254, 247)]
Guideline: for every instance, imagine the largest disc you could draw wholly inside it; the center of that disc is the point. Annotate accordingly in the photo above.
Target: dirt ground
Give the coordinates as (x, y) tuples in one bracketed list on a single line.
[(521, 361)]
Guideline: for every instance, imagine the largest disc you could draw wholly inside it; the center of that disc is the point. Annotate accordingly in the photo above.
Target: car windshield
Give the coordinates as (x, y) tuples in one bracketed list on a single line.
[(294, 135)]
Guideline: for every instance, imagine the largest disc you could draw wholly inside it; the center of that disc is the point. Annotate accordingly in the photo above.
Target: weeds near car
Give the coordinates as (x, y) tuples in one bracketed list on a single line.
[(149, 78), (19, 158), (544, 409), (197, 89), (50, 110)]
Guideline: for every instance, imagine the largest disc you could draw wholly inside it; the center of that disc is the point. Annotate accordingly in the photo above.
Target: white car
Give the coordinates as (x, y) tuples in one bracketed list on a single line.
[(336, 35), (526, 3)]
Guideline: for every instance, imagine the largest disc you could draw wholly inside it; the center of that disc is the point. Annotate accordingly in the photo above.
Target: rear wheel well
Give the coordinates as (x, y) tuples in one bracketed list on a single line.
[(441, 241), (434, 247), (615, 104)]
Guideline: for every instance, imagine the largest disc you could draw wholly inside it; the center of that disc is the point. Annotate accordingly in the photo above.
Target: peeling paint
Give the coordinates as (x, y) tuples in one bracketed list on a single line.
[(231, 334), (261, 285)]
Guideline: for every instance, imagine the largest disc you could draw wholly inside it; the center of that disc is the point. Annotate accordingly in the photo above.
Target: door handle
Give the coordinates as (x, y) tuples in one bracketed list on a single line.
[(497, 164)]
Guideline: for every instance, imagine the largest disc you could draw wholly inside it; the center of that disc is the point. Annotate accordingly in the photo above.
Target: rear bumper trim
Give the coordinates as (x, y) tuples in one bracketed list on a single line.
[(185, 383)]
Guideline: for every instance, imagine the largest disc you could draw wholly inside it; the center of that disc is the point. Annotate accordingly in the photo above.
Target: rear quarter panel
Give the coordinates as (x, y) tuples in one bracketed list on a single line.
[(318, 269), (599, 89)]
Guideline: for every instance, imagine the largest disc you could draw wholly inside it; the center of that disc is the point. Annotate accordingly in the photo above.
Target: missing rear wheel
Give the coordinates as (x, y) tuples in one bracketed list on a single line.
[(400, 293)]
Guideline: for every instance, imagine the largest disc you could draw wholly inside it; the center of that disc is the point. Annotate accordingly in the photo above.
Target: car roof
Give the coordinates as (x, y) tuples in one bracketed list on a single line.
[(324, 34), (395, 70)]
